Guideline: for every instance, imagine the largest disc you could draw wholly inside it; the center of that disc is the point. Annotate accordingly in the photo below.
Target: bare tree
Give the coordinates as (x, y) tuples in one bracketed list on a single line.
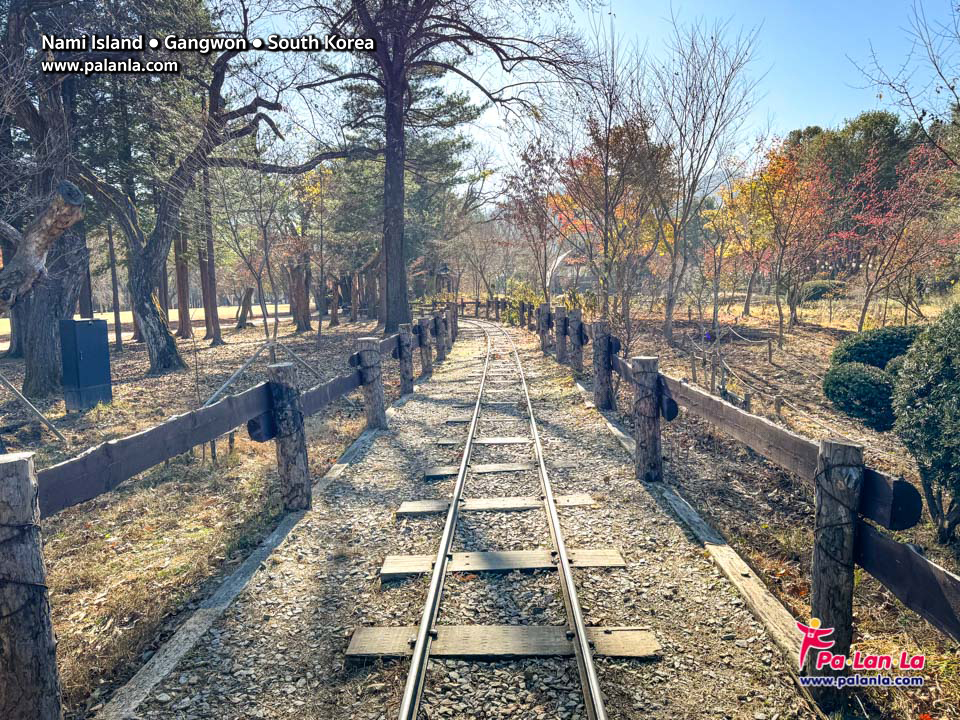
[(697, 100), (607, 176), (924, 85), (530, 190)]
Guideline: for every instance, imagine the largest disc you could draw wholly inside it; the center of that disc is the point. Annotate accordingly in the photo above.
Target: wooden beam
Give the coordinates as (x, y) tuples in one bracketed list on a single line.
[(501, 642), (400, 566), (923, 586), (501, 504), (892, 502), (315, 399), (103, 467)]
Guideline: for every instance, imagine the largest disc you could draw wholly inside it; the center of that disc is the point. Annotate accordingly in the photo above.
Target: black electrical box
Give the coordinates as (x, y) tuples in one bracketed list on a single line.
[(85, 352)]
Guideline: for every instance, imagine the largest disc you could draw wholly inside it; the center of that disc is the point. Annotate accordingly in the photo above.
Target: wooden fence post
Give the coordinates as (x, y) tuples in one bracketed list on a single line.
[(543, 326), (522, 314), (423, 340), (838, 483), (29, 683), (534, 319), (778, 405), (456, 320), (373, 400), (496, 309), (291, 438), (713, 373), (560, 333), (437, 333), (770, 351), (574, 323), (747, 400), (448, 328), (405, 353), (602, 369), (476, 308), (646, 418)]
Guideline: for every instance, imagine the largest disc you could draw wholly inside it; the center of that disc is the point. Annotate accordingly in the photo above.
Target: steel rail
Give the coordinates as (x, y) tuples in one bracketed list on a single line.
[(413, 689), (592, 695)]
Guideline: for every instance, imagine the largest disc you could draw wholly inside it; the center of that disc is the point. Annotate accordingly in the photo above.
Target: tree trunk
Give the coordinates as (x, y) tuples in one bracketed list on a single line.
[(354, 297), (335, 304), (17, 312), (243, 318), (320, 297), (370, 292), (209, 306), (163, 291), (86, 287), (161, 347), (184, 326), (749, 297), (215, 333), (115, 288), (300, 292), (398, 311), (670, 305), (54, 296)]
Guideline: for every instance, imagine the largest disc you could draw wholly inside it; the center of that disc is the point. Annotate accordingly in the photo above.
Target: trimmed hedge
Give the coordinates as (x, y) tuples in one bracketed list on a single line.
[(893, 367), (927, 403), (818, 289), (876, 347), (861, 391)]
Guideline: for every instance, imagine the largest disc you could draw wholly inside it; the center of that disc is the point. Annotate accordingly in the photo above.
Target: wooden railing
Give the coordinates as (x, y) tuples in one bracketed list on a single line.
[(272, 410), (848, 493)]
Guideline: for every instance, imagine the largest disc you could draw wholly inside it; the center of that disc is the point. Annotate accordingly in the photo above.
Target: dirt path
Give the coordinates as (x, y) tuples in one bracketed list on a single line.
[(279, 651)]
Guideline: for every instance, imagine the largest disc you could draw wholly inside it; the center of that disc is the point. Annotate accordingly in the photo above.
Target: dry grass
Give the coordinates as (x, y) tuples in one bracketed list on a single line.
[(767, 515), (125, 567)]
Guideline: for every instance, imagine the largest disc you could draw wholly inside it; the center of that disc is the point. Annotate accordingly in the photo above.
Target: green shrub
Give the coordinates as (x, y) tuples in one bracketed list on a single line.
[(927, 405), (819, 289), (893, 367), (861, 391), (876, 347)]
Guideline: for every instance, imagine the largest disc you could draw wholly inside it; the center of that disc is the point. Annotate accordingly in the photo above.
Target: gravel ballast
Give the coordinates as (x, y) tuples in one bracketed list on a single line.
[(279, 651)]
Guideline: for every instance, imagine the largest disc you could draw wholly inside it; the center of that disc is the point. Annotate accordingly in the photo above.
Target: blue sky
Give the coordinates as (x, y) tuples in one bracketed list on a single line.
[(806, 53), (806, 47)]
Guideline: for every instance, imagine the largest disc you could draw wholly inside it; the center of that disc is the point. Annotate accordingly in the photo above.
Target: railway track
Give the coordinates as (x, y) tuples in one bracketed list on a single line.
[(502, 398)]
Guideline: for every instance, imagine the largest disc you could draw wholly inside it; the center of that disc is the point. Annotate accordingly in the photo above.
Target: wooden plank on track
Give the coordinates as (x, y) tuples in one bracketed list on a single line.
[(448, 442), (501, 642), (501, 504), (458, 419), (503, 440), (400, 566), (440, 471), (501, 467)]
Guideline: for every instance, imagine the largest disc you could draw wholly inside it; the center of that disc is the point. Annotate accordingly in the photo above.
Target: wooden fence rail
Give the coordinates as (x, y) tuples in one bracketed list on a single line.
[(272, 410), (893, 503)]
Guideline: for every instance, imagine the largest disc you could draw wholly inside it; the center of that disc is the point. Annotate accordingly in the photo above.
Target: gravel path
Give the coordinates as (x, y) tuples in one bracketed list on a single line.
[(278, 652)]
